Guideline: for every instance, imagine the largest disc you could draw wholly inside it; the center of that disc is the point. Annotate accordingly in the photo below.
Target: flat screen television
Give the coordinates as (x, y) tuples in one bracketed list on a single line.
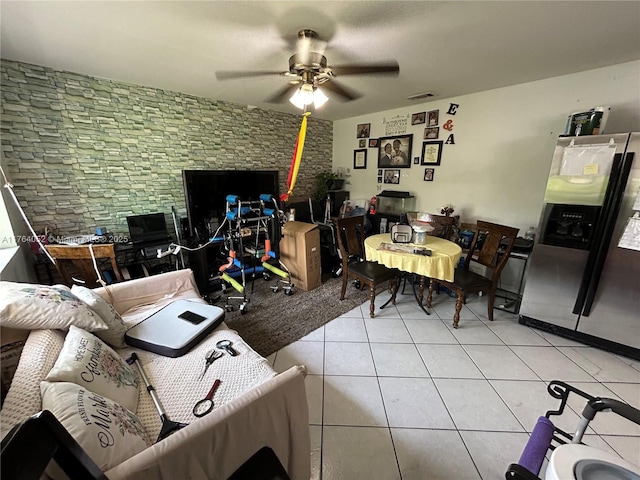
[(206, 192)]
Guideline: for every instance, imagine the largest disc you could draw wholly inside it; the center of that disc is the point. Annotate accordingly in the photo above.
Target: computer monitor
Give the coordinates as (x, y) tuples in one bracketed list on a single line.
[(149, 227)]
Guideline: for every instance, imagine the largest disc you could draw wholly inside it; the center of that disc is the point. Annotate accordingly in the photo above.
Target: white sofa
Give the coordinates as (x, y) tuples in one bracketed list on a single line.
[(258, 408)]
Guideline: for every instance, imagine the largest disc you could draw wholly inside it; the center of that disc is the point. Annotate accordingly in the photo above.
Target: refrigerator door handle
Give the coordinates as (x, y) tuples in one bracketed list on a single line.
[(616, 168), (608, 233)]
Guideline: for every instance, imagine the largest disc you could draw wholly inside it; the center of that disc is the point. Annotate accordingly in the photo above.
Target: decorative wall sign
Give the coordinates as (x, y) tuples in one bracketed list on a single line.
[(450, 140), (448, 125), (431, 152), (363, 129), (452, 108), (395, 151), (396, 126), (431, 133), (392, 176), (428, 174), (359, 159), (432, 118), (418, 118)]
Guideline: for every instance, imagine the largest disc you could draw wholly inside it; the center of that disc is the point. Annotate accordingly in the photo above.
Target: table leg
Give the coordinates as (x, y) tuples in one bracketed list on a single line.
[(419, 297), (396, 285), (421, 290), (430, 293)]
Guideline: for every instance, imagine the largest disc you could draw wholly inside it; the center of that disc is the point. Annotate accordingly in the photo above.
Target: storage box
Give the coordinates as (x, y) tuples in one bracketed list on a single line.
[(391, 202), (300, 252)]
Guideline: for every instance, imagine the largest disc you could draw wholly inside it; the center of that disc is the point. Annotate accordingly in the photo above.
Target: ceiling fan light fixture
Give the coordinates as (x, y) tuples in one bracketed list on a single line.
[(319, 98), (306, 95), (303, 96)]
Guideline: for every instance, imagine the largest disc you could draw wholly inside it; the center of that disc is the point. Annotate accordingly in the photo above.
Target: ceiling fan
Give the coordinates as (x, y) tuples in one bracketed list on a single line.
[(308, 70)]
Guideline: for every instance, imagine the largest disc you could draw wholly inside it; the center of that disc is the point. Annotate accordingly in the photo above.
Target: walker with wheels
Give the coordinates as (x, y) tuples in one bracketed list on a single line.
[(250, 222)]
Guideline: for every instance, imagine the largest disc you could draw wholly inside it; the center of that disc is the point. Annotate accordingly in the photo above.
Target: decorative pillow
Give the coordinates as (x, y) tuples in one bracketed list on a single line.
[(114, 335), (89, 362), (109, 433), (39, 307)]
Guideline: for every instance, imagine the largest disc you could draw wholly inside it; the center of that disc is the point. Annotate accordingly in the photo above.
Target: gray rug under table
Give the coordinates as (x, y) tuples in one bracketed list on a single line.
[(274, 320)]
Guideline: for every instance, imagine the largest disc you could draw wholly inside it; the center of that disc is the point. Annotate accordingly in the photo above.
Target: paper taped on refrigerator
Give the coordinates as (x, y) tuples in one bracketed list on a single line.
[(631, 236), (583, 175)]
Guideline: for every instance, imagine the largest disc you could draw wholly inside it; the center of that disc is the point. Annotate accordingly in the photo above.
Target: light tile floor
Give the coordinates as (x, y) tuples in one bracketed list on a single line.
[(405, 396)]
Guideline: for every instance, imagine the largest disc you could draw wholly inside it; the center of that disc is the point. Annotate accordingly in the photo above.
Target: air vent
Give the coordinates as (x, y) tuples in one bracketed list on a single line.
[(420, 96)]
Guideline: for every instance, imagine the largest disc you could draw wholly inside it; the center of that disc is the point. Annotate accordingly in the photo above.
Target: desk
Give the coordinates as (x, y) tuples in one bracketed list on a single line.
[(441, 264)]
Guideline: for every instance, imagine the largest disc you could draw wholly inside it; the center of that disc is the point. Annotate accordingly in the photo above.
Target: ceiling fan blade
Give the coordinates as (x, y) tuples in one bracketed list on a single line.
[(231, 74), (336, 88), (391, 68), (283, 94)]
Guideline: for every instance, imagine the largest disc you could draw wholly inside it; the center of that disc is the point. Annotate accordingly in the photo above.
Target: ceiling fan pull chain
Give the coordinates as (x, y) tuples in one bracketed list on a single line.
[(296, 158)]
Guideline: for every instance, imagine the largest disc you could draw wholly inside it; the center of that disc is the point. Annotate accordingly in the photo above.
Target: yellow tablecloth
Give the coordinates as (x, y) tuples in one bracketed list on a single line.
[(441, 264)]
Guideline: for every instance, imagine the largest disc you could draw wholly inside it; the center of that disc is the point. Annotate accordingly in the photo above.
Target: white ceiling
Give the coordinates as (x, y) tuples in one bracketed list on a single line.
[(450, 48)]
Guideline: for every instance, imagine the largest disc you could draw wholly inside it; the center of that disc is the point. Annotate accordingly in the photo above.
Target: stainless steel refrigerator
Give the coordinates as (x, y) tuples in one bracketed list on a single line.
[(583, 278)]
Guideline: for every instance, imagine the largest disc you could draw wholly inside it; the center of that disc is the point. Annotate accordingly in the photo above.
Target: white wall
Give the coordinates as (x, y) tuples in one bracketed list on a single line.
[(504, 140)]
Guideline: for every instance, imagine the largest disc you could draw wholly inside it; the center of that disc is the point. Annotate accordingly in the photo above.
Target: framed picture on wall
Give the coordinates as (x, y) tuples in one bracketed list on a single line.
[(359, 159), (431, 133), (362, 143), (418, 118), (362, 131), (395, 151), (392, 176), (428, 174), (373, 142), (432, 118), (431, 153)]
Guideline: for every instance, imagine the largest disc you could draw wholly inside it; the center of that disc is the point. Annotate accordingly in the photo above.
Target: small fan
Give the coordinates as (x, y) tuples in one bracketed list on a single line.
[(308, 67)]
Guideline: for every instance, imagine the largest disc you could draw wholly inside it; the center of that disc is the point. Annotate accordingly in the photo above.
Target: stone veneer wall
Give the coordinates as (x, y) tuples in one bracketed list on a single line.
[(85, 152)]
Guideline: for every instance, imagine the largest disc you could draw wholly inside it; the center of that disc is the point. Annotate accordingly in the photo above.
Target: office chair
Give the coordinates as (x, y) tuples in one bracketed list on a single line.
[(75, 264), (497, 242), (351, 245)]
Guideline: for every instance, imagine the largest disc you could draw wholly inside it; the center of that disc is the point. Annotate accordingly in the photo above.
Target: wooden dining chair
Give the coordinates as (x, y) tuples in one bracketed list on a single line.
[(354, 264), (441, 223), (75, 263), (497, 243)]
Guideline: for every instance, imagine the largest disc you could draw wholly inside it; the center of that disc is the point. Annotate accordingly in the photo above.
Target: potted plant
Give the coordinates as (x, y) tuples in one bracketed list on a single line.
[(326, 181)]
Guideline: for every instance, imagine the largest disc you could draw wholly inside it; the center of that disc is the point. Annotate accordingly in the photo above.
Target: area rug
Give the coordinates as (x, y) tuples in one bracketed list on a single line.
[(274, 320)]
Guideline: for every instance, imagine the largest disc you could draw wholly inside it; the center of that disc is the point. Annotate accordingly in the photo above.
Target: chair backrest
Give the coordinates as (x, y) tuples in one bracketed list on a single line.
[(441, 223), (497, 242), (76, 262), (351, 237)]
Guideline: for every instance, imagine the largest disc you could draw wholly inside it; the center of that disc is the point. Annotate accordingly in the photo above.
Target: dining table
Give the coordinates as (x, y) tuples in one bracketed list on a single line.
[(436, 258)]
